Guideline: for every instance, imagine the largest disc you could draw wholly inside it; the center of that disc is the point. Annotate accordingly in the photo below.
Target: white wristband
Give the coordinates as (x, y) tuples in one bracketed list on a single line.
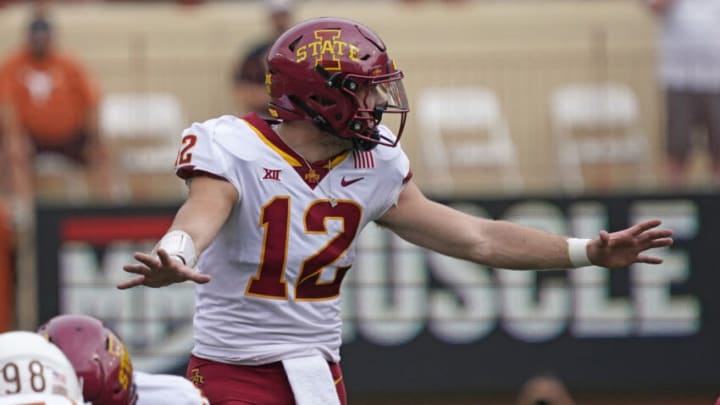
[(179, 244), (577, 252)]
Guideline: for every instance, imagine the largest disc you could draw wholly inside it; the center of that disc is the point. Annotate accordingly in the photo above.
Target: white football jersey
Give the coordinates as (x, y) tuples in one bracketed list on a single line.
[(278, 262), (37, 399), (166, 389)]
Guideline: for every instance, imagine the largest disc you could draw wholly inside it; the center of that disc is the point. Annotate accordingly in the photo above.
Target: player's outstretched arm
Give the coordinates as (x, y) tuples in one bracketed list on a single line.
[(196, 223), (628, 246), (502, 244)]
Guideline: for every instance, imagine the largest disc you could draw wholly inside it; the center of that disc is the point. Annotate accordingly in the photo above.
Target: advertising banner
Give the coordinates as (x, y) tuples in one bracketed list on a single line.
[(423, 322)]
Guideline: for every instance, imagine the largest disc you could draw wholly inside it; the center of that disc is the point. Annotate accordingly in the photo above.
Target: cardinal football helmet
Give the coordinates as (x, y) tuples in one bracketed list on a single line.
[(32, 365), (337, 74), (98, 355)]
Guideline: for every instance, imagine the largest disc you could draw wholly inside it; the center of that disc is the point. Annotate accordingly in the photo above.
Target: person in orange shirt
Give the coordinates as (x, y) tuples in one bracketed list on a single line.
[(48, 104)]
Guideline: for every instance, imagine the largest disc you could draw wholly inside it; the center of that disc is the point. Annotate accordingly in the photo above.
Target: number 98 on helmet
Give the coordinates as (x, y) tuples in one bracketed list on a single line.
[(32, 365)]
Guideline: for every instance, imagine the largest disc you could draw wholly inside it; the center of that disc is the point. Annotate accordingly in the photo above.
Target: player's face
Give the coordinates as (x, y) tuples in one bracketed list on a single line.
[(373, 95), (379, 99)]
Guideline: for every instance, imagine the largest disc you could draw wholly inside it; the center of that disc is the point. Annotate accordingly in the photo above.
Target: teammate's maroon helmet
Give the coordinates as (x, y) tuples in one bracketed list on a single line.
[(98, 356), (337, 74)]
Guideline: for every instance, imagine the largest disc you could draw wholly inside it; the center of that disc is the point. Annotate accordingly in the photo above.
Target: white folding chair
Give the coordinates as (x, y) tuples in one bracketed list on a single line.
[(144, 130), (597, 123), (59, 178), (463, 131)]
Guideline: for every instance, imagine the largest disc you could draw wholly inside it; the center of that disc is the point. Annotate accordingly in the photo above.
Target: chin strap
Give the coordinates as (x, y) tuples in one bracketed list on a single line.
[(363, 144), (317, 119)]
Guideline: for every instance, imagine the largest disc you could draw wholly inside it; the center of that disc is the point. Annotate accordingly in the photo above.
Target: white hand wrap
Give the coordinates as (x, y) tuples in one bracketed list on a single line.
[(577, 252), (179, 244)]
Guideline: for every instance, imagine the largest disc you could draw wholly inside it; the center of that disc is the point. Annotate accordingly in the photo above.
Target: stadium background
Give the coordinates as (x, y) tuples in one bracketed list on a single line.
[(423, 336)]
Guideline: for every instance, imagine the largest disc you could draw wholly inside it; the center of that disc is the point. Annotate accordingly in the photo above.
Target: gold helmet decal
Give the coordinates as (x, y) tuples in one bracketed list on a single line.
[(327, 49), (117, 349), (268, 82)]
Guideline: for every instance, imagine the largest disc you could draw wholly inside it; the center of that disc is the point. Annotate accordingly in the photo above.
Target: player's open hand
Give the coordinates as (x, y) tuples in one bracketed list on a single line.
[(159, 271), (628, 246)]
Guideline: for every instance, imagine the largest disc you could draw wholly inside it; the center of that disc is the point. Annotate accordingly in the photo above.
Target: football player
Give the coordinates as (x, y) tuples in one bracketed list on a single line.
[(269, 228), (104, 366), (35, 371)]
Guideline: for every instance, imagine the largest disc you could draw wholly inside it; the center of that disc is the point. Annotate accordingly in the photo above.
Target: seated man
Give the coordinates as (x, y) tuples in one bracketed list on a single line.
[(49, 104), (248, 75)]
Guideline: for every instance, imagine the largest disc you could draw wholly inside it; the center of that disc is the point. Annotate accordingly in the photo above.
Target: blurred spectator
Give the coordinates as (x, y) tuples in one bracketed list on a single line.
[(544, 389), (690, 74), (249, 72), (49, 104)]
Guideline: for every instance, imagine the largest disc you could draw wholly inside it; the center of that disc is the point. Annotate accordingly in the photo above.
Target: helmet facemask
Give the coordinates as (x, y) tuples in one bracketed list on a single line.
[(373, 98)]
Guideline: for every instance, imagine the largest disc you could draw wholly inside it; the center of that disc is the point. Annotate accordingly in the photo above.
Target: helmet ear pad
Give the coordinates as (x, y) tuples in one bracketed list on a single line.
[(99, 357), (295, 96)]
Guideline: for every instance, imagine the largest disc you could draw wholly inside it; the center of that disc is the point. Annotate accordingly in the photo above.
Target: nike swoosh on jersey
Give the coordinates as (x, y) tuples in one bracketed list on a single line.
[(346, 183)]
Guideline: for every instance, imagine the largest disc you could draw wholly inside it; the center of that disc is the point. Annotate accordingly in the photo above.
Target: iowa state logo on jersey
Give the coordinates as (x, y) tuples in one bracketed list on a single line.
[(327, 49)]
